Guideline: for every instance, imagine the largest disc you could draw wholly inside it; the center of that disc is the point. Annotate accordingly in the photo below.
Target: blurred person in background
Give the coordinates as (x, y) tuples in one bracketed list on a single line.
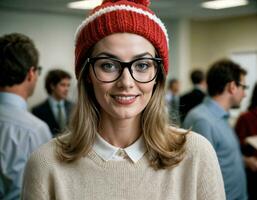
[(56, 109), (120, 144), (194, 97), (246, 126), (20, 131), (226, 89), (172, 100)]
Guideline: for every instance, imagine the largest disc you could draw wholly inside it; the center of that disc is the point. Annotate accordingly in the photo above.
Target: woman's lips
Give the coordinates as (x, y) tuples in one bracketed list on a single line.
[(124, 99)]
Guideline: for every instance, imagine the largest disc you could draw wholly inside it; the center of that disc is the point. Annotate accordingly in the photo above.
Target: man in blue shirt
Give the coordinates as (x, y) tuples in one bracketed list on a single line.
[(20, 132), (226, 84)]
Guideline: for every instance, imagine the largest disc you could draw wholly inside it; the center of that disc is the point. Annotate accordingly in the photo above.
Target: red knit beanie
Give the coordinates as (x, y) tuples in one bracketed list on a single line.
[(119, 16)]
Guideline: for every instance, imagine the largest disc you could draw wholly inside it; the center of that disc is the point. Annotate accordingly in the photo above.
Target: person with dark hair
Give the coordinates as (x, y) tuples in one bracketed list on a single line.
[(20, 132), (56, 109), (246, 126), (172, 100), (120, 144), (226, 89), (194, 97)]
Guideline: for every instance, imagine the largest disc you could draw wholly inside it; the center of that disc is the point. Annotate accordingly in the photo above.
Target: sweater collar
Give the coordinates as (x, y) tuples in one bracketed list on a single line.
[(107, 151)]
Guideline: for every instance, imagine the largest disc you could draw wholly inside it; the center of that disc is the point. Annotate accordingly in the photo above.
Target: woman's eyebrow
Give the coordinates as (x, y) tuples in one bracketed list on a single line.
[(117, 57), (143, 55), (105, 54)]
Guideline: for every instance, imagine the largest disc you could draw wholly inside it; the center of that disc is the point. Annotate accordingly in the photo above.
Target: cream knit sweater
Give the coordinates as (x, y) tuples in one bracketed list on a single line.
[(197, 177)]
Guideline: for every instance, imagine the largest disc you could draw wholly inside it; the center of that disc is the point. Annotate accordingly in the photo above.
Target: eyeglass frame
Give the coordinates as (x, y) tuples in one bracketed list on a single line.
[(38, 69), (123, 66), (245, 87)]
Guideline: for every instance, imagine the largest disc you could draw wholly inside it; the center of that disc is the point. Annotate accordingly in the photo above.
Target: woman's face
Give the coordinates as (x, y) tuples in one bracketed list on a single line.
[(124, 98)]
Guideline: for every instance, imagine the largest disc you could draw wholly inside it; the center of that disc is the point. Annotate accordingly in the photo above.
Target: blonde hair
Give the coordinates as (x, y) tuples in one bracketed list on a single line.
[(165, 146)]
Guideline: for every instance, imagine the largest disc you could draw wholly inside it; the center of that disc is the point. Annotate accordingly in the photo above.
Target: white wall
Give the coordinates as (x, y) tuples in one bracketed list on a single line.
[(215, 39), (248, 60), (184, 56), (53, 36), (172, 27), (179, 52)]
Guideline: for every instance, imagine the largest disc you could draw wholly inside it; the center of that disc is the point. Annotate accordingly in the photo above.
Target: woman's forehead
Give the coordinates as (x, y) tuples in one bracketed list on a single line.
[(123, 45)]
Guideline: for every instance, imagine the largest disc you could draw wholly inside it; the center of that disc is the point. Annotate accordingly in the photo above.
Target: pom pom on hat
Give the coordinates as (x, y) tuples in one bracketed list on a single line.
[(120, 16), (143, 2)]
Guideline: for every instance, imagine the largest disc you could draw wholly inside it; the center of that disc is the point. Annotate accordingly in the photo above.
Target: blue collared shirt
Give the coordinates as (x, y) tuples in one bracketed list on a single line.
[(20, 134), (211, 120)]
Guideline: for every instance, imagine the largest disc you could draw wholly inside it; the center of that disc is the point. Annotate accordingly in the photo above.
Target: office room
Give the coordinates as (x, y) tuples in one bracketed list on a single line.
[(198, 36)]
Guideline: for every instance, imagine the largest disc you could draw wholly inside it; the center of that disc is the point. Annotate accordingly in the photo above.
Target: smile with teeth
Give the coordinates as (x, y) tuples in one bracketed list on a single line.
[(125, 99)]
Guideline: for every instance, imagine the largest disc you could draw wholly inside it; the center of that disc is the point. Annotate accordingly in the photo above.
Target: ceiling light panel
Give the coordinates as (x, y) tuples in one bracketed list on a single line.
[(222, 4)]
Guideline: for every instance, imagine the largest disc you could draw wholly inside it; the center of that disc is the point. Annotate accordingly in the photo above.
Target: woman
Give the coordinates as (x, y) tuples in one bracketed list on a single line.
[(120, 145), (246, 126)]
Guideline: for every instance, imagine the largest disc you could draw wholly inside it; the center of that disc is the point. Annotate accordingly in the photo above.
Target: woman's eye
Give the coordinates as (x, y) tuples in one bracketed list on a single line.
[(108, 67), (142, 66)]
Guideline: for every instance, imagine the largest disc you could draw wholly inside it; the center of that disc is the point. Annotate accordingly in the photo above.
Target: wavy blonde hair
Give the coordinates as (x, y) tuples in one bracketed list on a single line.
[(165, 145)]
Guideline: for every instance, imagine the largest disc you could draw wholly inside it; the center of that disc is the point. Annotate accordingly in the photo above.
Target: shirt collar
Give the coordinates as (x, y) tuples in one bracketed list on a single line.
[(106, 151), (216, 109), (13, 100), (198, 87), (53, 102)]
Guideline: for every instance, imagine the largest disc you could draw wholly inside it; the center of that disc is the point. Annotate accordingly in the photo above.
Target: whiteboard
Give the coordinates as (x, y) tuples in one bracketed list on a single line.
[(248, 61)]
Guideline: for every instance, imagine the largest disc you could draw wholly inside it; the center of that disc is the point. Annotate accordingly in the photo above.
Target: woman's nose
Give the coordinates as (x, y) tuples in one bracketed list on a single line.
[(126, 80)]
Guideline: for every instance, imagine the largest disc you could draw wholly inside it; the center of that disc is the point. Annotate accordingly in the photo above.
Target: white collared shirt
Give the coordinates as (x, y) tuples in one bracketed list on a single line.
[(54, 106), (109, 152)]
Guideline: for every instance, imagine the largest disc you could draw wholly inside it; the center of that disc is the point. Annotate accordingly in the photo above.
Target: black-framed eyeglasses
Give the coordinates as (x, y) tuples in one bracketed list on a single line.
[(245, 87), (142, 70), (38, 69)]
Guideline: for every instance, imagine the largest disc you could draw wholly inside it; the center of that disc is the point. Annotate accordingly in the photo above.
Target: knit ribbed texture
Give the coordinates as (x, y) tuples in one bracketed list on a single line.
[(120, 17), (197, 177)]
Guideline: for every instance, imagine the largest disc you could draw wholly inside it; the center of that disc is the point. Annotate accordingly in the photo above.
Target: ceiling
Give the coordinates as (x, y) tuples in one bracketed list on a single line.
[(164, 8)]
